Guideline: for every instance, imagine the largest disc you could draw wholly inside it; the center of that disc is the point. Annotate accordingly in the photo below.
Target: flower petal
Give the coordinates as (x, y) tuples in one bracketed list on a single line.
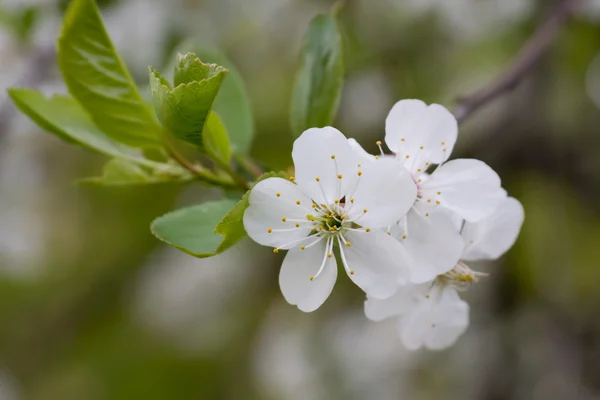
[(398, 304), (488, 239), (296, 270), (361, 153), (377, 260), (384, 193), (467, 187), (437, 322), (312, 154), (432, 242), (266, 211), (418, 133)]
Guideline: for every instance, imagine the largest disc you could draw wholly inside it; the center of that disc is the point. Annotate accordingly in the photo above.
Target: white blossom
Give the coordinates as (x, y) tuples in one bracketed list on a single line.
[(334, 200), (432, 314)]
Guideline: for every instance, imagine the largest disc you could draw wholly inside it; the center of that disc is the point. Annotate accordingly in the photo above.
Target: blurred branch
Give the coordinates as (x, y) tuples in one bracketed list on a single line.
[(528, 56)]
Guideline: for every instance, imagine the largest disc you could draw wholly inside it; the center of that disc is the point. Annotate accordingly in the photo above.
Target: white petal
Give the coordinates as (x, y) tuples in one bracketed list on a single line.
[(488, 239), (361, 153), (468, 187), (294, 277), (378, 262), (432, 242), (266, 211), (386, 190), (437, 322), (423, 133), (400, 303), (312, 159)]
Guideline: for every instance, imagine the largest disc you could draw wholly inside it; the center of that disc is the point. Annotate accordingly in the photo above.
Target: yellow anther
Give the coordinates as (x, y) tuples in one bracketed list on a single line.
[(439, 193), (275, 251), (311, 277), (323, 205), (444, 149), (427, 296), (302, 247), (419, 170), (329, 255), (348, 244), (283, 219), (298, 202), (339, 176), (429, 200), (402, 139), (352, 201), (343, 217), (351, 272), (443, 143), (437, 202), (358, 165), (359, 173), (427, 164), (368, 230), (365, 210), (292, 179), (278, 194), (378, 143), (421, 147), (403, 236), (333, 156), (269, 230), (377, 157), (408, 156), (419, 180), (317, 179), (331, 229), (336, 201), (427, 214), (297, 224), (389, 233), (314, 205), (314, 229)]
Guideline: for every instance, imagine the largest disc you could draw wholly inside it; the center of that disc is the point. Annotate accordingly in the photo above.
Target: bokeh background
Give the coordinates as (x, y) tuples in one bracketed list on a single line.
[(93, 307)]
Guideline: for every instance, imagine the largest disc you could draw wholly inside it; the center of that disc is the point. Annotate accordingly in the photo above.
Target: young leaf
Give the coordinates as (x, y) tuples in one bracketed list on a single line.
[(216, 141), (232, 225), (121, 172), (192, 229), (65, 118), (318, 84), (98, 79), (232, 103), (184, 109)]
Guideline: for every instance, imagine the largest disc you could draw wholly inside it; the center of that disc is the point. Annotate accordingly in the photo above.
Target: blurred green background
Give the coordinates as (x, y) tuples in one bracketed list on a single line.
[(93, 307)]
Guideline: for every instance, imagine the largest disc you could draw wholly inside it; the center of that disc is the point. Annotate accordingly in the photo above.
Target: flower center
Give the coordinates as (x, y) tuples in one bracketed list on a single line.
[(460, 277)]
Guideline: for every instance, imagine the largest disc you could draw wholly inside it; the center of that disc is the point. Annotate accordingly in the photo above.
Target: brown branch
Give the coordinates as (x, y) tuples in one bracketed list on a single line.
[(528, 56)]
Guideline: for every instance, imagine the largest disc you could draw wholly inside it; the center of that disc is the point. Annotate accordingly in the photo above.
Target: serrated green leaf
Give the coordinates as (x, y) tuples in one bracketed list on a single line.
[(184, 109), (232, 225), (216, 140), (121, 172), (232, 103), (100, 82), (318, 85), (65, 118), (192, 229)]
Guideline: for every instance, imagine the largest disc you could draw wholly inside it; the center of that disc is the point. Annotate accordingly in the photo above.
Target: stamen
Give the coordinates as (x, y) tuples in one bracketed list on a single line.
[(325, 257), (403, 236), (318, 179), (333, 156), (278, 194), (368, 230), (275, 251), (270, 230), (283, 219), (359, 173), (378, 143), (297, 225), (298, 202), (339, 176), (344, 261), (292, 179)]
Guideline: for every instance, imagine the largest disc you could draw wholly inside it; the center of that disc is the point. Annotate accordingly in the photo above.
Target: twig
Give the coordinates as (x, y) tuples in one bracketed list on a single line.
[(529, 55), (248, 164)]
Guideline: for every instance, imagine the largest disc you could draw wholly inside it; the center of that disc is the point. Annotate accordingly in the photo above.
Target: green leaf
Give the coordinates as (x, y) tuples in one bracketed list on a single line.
[(65, 118), (216, 141), (184, 109), (192, 229), (318, 85), (232, 103), (98, 79), (123, 172), (232, 225)]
